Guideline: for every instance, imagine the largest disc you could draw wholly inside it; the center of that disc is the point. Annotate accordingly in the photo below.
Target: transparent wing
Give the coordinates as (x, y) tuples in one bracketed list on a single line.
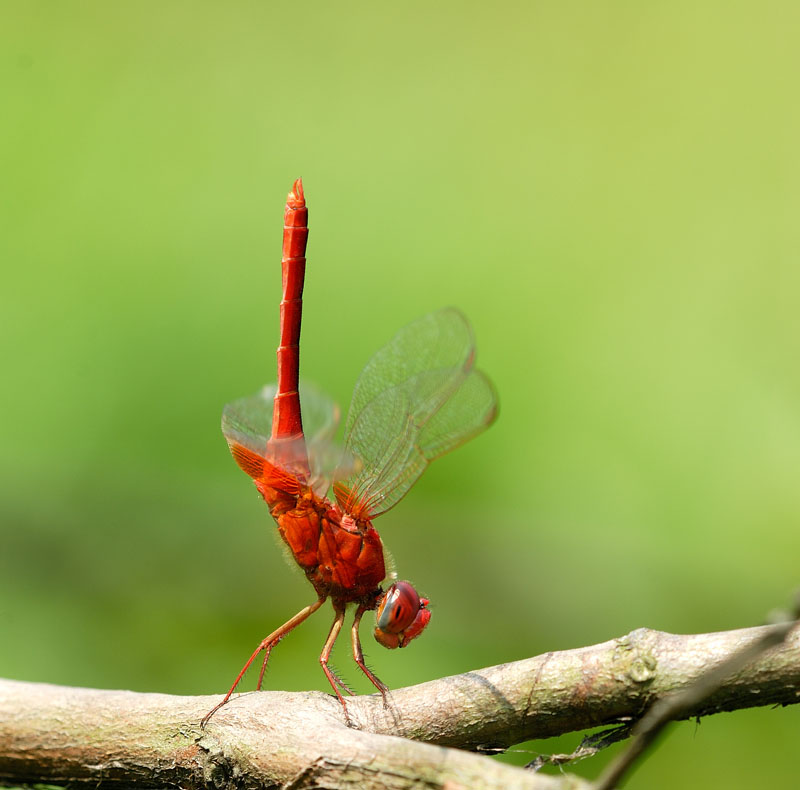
[(247, 423), (417, 398)]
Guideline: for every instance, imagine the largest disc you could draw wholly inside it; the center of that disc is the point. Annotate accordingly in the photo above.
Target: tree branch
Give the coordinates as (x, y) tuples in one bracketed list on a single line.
[(674, 706), (123, 739)]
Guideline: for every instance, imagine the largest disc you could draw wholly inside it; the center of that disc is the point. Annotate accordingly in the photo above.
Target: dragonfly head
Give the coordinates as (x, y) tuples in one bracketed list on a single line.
[(402, 615)]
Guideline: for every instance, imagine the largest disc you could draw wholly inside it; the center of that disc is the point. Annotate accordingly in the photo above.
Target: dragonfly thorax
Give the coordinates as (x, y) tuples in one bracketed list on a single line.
[(350, 524)]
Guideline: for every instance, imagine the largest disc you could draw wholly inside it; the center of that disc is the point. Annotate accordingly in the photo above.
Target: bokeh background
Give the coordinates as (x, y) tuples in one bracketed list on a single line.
[(610, 192)]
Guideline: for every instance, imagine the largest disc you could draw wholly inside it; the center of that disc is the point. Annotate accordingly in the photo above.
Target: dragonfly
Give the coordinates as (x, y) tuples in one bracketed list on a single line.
[(418, 397)]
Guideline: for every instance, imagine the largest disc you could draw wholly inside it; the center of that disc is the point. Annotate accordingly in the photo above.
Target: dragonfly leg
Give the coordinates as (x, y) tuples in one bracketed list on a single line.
[(358, 655), (335, 681), (266, 645), (267, 651), (340, 683)]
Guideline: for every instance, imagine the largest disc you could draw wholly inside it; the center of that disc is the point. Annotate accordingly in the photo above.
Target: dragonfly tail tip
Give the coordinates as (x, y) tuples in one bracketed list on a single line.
[(297, 197)]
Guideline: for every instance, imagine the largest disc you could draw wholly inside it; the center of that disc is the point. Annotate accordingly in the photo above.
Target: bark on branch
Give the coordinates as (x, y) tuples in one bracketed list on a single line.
[(122, 739)]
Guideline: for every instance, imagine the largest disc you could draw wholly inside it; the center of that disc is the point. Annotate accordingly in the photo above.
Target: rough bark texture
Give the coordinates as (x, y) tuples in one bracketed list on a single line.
[(122, 739)]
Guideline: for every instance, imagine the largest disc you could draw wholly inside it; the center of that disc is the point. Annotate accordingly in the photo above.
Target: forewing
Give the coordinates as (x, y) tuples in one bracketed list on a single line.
[(417, 398), (438, 345), (471, 409)]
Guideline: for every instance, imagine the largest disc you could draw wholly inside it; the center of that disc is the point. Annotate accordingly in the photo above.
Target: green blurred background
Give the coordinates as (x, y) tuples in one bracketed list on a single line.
[(610, 192)]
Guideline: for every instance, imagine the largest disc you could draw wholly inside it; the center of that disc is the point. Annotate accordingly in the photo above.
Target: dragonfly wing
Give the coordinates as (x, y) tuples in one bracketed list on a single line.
[(418, 398), (470, 410), (440, 341), (321, 415), (247, 422)]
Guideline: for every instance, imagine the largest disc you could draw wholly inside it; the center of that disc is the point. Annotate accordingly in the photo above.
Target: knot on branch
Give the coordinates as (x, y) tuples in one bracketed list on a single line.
[(634, 658), (220, 770)]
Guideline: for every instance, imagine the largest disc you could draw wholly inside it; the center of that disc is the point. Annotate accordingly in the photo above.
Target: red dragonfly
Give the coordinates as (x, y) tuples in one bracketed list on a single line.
[(417, 398)]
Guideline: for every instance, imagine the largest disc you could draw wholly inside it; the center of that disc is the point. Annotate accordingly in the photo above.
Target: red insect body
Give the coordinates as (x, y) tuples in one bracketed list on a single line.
[(287, 422), (418, 398)]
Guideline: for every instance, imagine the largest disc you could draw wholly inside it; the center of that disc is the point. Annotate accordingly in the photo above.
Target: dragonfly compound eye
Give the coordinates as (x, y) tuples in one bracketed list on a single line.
[(401, 616)]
